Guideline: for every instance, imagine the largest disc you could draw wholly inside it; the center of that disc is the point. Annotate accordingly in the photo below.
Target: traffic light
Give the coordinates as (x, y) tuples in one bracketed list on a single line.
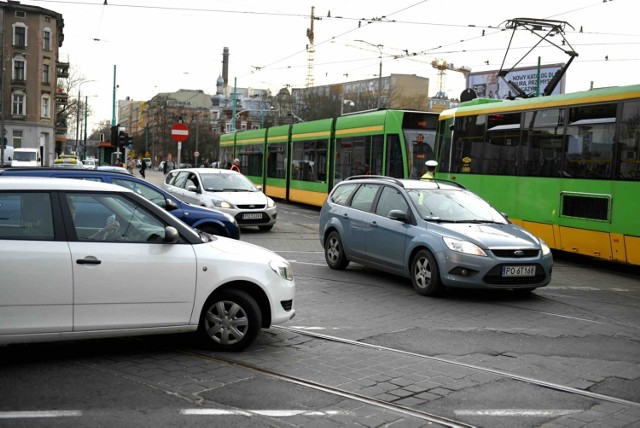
[(124, 139), (114, 135)]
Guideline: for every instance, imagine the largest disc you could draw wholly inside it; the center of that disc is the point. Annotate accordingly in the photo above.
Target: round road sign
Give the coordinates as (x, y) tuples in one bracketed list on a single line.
[(179, 132), (196, 154)]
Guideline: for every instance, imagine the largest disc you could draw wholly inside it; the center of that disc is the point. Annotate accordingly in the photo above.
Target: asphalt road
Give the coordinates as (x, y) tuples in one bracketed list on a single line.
[(363, 350)]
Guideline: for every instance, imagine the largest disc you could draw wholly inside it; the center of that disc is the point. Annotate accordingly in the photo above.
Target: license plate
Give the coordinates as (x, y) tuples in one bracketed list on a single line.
[(252, 216), (518, 270)]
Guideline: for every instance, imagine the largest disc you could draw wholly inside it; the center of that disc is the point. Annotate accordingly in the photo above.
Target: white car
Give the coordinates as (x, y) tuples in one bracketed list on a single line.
[(224, 190), (89, 164), (83, 259)]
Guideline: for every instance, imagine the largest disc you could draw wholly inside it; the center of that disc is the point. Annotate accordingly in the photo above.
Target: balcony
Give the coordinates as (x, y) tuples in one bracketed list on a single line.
[(62, 69)]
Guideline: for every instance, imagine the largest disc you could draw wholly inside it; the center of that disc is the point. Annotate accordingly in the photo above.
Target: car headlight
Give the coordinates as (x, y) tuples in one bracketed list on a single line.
[(221, 204), (270, 203), (465, 247), (282, 269), (545, 248)]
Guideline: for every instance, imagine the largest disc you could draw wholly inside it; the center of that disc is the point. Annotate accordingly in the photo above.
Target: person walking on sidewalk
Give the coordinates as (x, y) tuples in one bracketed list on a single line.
[(143, 168)]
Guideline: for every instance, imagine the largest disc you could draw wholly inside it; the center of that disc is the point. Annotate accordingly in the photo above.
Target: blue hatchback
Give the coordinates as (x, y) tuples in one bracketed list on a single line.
[(205, 219)]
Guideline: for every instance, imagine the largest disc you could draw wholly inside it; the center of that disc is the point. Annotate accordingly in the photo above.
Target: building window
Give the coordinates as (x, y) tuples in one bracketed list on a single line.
[(18, 101), (46, 107), (45, 73), (21, 14), (16, 139), (19, 35), (46, 39), (19, 68)]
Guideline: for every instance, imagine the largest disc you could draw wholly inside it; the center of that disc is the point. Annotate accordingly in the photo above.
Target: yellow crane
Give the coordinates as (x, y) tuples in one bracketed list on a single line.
[(442, 66)]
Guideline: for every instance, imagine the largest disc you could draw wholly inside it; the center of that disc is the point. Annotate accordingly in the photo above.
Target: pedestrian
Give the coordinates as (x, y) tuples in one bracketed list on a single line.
[(169, 165), (431, 170), (131, 165), (236, 165), (143, 168)]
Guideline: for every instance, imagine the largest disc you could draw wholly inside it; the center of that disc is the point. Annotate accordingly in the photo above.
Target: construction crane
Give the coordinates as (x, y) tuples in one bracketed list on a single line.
[(442, 66), (310, 51)]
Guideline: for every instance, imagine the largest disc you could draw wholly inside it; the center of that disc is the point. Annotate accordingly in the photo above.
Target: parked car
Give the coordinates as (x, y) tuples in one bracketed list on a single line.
[(161, 166), (224, 190), (81, 259), (89, 164), (113, 168), (68, 162), (438, 235), (208, 220)]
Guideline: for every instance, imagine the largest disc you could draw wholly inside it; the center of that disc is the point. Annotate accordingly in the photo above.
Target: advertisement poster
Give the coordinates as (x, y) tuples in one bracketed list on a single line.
[(487, 84)]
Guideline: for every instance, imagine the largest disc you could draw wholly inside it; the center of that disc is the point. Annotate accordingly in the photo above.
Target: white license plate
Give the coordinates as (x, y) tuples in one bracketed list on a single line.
[(518, 270), (252, 216)]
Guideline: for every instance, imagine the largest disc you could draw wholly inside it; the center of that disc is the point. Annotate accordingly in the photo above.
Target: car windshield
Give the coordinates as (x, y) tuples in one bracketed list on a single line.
[(453, 205), (227, 183)]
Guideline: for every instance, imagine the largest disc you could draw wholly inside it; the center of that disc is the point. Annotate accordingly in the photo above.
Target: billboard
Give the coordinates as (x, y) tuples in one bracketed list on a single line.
[(487, 84)]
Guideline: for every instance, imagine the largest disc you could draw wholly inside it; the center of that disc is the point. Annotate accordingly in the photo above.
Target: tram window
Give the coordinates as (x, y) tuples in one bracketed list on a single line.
[(309, 157), (590, 137), (542, 154), (276, 161), (468, 144), (394, 157), (629, 142), (251, 156), (501, 148), (359, 156)]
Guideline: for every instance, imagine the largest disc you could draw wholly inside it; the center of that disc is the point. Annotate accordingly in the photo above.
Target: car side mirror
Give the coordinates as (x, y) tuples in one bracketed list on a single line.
[(171, 235), (192, 188), (169, 205), (398, 215)]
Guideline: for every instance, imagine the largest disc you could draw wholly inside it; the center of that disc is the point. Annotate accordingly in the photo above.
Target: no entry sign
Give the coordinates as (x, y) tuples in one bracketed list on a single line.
[(179, 132)]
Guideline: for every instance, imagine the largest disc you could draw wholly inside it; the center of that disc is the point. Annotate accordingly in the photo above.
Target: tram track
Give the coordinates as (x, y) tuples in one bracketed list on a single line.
[(427, 417), (501, 373)]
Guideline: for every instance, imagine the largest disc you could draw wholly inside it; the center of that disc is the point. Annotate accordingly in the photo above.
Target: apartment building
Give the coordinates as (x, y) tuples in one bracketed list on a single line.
[(30, 95)]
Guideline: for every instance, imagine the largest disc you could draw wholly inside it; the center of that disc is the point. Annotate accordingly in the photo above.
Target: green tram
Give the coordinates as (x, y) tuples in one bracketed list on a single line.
[(566, 167), (301, 162)]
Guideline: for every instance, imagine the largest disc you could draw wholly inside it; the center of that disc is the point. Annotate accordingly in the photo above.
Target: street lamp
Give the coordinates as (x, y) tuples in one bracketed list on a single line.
[(84, 145), (271, 110), (379, 47), (79, 111), (345, 103)]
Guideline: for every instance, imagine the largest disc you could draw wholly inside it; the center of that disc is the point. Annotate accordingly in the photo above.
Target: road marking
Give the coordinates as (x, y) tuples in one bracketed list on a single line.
[(516, 412), (272, 413), (40, 414)]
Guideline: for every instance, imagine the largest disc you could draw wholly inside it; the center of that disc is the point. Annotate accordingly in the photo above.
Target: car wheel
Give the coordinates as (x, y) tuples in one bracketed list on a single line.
[(265, 228), (211, 230), (334, 252), (425, 275), (230, 321)]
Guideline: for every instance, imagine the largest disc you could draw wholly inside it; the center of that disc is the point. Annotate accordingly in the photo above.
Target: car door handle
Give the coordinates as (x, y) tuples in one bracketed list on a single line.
[(374, 224), (88, 261)]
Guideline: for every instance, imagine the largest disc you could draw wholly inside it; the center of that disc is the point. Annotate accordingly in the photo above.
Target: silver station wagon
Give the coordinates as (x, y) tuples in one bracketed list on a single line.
[(435, 233)]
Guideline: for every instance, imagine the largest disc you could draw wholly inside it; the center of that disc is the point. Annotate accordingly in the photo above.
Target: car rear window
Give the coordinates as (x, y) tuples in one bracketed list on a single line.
[(342, 193), (26, 216)]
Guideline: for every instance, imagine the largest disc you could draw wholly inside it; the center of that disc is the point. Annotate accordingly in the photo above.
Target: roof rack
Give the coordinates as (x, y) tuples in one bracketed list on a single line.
[(376, 177)]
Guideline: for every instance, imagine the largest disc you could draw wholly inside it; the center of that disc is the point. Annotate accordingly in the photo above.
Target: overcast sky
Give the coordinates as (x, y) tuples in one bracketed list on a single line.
[(167, 45)]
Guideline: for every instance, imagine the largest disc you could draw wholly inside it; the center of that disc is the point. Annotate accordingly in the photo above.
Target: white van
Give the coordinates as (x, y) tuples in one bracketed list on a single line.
[(26, 157), (8, 156)]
